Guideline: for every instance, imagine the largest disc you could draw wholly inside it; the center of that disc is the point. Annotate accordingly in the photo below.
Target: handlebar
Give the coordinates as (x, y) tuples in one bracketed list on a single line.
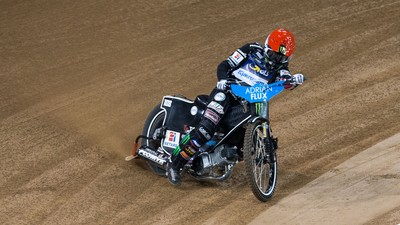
[(238, 82)]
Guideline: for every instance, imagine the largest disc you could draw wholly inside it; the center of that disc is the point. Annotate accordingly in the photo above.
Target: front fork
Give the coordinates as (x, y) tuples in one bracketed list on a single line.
[(265, 130), (263, 111), (270, 143)]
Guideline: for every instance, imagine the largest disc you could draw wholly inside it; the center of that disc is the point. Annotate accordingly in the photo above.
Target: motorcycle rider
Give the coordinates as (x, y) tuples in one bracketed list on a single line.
[(277, 51)]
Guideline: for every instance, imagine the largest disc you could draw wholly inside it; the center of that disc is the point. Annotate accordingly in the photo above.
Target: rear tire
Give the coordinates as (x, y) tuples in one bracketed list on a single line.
[(260, 162), (154, 120)]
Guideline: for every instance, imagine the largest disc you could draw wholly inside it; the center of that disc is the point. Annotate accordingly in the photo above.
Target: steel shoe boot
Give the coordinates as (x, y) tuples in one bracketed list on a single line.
[(174, 176)]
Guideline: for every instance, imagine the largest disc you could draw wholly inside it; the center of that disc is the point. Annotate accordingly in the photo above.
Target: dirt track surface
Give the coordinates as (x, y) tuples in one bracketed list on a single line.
[(361, 188), (78, 79)]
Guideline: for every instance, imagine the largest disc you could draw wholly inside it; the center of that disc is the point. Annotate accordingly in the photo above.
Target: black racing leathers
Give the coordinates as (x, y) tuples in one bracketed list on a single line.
[(225, 68), (222, 109)]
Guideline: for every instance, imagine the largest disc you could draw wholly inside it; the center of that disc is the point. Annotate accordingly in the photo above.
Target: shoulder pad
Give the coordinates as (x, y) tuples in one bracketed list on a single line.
[(256, 45), (236, 58)]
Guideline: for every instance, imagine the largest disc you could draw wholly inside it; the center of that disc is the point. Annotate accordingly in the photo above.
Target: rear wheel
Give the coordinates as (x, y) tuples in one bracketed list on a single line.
[(154, 121), (260, 162)]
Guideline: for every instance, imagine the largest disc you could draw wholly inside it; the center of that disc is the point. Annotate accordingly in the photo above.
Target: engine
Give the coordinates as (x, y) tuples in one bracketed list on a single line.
[(217, 163)]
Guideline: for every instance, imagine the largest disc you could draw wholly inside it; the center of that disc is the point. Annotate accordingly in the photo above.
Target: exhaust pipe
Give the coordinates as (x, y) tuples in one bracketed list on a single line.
[(151, 155)]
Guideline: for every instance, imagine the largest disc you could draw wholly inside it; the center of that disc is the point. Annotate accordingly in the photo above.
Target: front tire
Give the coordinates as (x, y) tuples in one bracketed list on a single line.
[(260, 161)]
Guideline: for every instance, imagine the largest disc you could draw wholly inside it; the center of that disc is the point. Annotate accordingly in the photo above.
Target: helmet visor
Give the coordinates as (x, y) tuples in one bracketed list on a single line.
[(276, 57)]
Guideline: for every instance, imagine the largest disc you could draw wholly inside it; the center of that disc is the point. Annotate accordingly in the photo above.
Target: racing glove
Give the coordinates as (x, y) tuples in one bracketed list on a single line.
[(221, 85), (298, 79)]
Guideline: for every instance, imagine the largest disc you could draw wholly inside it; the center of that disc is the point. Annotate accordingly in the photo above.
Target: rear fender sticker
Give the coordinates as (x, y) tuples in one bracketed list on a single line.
[(167, 103), (172, 139)]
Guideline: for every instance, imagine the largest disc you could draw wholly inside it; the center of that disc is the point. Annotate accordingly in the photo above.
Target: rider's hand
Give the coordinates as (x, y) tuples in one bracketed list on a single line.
[(221, 85), (298, 79)]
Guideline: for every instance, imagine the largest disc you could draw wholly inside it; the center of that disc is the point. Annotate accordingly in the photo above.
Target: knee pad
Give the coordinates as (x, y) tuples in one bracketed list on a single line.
[(220, 97), (216, 109)]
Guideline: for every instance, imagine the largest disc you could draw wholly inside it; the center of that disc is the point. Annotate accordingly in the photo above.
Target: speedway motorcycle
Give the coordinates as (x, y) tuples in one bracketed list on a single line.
[(172, 119)]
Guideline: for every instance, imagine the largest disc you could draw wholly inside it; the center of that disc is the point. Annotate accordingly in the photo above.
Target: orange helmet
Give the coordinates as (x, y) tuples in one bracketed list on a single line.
[(279, 46)]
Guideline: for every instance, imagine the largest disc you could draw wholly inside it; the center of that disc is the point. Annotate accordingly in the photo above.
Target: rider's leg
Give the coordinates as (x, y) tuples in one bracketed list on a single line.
[(190, 144), (180, 156)]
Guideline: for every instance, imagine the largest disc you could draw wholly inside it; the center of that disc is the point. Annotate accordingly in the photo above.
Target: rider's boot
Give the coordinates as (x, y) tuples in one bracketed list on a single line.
[(179, 158), (174, 166)]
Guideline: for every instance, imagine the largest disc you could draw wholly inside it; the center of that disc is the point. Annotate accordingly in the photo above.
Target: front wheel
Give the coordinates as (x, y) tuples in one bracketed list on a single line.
[(260, 161)]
